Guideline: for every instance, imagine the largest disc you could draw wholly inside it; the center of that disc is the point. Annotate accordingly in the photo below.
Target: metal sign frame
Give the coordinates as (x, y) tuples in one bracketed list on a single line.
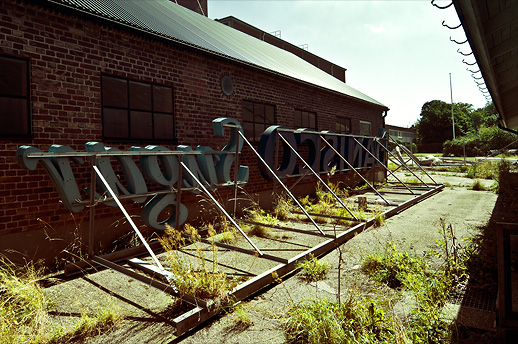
[(204, 309)]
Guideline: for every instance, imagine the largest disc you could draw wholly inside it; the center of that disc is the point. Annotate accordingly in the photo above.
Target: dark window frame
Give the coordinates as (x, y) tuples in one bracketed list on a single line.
[(133, 107), (342, 121), (299, 121), (363, 123), (26, 126), (254, 127)]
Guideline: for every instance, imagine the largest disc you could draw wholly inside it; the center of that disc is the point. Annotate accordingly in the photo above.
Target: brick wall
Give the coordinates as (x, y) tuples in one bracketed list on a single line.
[(67, 56)]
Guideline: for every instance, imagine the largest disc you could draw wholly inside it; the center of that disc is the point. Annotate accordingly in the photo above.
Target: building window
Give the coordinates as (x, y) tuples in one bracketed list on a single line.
[(137, 110), (365, 128), (14, 97), (343, 125), (305, 119), (256, 118)]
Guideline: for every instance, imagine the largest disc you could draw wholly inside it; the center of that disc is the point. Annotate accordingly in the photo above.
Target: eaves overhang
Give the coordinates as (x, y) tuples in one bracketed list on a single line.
[(491, 28), (165, 20)]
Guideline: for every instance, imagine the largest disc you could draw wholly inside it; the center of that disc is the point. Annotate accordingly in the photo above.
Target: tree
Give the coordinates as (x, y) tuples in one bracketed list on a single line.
[(435, 125)]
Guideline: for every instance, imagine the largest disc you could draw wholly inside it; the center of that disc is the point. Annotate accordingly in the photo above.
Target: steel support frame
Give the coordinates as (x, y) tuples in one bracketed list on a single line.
[(203, 310), (198, 315)]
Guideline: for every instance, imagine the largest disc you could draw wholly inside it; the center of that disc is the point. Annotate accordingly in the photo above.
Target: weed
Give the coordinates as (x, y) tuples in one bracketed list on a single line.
[(484, 170), (101, 320), (313, 269), (227, 233), (322, 321), (258, 215), (284, 208), (392, 267), (453, 255), (24, 310), (24, 306), (240, 313), (202, 280), (477, 186), (379, 219), (507, 180)]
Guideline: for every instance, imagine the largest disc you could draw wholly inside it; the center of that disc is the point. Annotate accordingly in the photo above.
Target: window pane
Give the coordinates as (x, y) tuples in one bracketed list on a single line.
[(312, 122), (305, 119), (297, 120), (259, 130), (164, 126), (248, 111), (13, 76), (248, 129), (259, 113), (347, 125), (162, 99), (115, 123), (13, 116), (365, 128), (140, 96), (270, 114), (114, 92), (141, 125)]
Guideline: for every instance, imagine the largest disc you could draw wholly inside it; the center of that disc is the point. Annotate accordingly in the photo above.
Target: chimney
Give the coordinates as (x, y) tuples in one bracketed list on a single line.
[(198, 6)]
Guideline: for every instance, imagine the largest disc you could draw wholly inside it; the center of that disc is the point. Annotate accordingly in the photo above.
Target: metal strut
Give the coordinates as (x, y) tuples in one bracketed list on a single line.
[(351, 167), (316, 175), (386, 167), (220, 207), (410, 155), (282, 184), (403, 163), (130, 221)]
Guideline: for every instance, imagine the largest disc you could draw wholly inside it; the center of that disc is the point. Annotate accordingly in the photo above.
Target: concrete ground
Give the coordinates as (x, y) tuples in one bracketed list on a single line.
[(148, 315)]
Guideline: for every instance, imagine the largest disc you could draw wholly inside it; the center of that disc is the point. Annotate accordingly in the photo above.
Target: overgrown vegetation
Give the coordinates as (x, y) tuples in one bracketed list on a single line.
[(260, 216), (353, 321), (199, 276), (481, 142), (362, 319), (313, 269), (24, 310)]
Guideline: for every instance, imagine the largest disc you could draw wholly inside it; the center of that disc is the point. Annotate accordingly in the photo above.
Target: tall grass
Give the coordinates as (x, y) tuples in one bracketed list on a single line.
[(362, 319), (24, 310), (200, 276)]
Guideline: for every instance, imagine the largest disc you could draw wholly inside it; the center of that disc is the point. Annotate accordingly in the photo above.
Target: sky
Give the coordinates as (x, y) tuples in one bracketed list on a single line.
[(395, 51)]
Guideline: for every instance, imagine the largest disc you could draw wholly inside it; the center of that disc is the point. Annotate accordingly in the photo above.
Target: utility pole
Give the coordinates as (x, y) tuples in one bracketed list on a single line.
[(452, 118)]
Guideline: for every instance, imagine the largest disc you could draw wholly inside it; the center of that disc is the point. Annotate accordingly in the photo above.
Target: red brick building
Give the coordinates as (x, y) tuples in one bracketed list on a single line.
[(141, 73)]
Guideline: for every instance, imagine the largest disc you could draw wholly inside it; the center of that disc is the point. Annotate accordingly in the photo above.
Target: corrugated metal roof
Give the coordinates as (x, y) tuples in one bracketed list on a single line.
[(167, 19)]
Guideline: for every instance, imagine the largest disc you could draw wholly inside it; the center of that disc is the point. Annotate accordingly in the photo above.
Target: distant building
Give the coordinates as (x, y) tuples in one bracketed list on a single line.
[(403, 135)]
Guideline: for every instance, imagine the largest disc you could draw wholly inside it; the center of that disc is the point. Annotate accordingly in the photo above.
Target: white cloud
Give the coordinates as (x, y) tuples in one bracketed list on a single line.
[(376, 28)]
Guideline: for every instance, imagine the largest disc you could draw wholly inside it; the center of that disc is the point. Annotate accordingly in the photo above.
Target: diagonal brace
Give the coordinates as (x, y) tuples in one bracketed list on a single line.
[(316, 175), (351, 167)]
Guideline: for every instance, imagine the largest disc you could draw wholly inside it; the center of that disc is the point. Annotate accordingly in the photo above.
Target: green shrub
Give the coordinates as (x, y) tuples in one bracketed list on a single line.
[(480, 143)]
